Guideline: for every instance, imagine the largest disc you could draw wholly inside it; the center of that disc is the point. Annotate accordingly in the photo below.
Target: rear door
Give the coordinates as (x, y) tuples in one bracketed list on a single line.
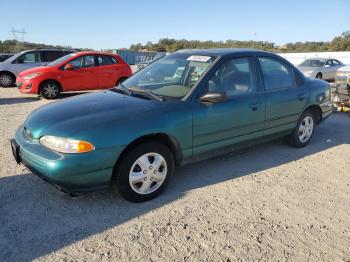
[(108, 71), (239, 118), (83, 76), (285, 99)]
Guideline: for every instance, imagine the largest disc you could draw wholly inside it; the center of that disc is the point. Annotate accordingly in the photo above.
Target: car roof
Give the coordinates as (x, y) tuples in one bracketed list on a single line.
[(93, 53), (222, 51), (318, 58)]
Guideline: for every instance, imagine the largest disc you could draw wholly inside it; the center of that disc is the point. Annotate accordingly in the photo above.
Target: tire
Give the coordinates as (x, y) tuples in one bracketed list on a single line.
[(7, 80), (50, 89), (304, 130), (135, 177), (319, 76)]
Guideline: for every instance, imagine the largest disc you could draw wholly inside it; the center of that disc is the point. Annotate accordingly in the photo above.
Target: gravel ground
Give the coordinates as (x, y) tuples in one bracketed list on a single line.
[(272, 202)]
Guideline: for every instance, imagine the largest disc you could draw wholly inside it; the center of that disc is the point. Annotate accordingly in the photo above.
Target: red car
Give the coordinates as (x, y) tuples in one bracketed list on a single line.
[(74, 72)]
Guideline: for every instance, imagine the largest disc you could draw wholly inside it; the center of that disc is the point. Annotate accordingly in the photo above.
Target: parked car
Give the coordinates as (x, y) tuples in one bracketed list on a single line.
[(341, 89), (10, 68), (320, 68), (74, 72), (133, 136), (143, 64), (4, 57)]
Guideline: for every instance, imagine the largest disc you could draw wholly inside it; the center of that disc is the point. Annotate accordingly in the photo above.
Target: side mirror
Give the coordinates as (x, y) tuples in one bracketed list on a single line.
[(213, 97), (326, 66), (68, 67), (20, 61)]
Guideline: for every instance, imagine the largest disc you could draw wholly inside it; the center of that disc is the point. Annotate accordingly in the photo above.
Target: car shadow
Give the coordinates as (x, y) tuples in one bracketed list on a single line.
[(70, 94), (23, 100), (18, 100), (37, 220)]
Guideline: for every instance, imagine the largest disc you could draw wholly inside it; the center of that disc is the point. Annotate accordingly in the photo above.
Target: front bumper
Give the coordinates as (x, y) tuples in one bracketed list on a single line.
[(71, 173), (27, 86)]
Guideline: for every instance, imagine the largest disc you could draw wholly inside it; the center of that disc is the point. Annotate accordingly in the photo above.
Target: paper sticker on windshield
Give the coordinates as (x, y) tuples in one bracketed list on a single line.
[(199, 58)]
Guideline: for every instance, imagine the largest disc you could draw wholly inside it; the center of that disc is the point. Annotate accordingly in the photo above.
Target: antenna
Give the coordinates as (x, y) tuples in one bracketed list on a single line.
[(18, 35)]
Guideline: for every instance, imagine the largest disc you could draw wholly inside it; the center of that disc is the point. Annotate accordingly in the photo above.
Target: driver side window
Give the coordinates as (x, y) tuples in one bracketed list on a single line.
[(234, 77), (30, 57), (83, 62)]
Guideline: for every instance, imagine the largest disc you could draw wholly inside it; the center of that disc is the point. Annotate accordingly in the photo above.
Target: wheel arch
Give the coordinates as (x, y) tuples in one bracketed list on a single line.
[(168, 140), (54, 80), (8, 72), (316, 110), (121, 79), (319, 73)]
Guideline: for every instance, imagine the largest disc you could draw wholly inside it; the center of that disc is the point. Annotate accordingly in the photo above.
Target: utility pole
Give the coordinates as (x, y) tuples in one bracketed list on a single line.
[(18, 35)]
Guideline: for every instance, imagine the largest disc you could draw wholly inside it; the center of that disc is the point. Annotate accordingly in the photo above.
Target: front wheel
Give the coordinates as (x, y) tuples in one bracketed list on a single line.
[(7, 80), (143, 172), (319, 76), (50, 89), (304, 130)]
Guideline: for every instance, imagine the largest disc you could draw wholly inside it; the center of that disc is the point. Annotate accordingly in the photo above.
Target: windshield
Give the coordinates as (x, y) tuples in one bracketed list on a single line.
[(172, 76), (313, 63), (60, 60)]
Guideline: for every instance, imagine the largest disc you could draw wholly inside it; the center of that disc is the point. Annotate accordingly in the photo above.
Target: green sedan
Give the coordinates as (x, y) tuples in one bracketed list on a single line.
[(190, 105)]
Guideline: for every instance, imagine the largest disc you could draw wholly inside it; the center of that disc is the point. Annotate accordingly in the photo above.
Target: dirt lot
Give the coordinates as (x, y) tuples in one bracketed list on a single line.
[(272, 202)]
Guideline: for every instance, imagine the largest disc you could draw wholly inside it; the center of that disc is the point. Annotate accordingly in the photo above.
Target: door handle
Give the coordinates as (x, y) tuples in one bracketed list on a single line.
[(301, 97), (254, 106)]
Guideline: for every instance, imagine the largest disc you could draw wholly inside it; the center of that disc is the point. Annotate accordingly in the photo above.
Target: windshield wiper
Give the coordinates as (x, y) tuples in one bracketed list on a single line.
[(147, 92), (123, 89)]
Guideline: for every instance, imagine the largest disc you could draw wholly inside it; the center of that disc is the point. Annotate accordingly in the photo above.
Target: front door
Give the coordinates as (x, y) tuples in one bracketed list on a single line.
[(26, 61), (285, 100), (83, 76), (239, 118)]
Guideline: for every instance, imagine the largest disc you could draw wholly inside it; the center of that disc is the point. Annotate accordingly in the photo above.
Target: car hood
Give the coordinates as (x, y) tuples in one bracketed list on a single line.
[(84, 112), (38, 69)]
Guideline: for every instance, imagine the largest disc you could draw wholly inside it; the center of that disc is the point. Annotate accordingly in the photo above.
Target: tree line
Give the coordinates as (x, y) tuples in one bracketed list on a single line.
[(14, 46), (339, 43)]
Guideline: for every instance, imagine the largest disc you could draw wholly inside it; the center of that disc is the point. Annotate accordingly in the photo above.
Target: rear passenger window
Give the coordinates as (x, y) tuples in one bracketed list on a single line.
[(49, 56), (234, 77), (276, 74), (106, 60)]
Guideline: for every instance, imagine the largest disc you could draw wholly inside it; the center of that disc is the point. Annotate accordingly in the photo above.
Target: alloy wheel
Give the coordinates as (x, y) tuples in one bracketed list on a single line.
[(5, 80), (305, 129), (50, 90)]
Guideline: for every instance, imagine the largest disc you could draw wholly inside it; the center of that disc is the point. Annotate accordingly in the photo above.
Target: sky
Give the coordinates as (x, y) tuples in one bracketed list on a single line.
[(107, 24)]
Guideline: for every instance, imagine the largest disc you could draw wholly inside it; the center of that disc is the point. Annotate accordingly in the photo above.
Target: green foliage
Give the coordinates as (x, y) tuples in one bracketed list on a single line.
[(13, 46), (340, 43)]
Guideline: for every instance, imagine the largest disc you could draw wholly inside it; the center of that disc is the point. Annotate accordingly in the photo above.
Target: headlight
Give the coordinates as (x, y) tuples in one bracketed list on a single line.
[(66, 145), (31, 76)]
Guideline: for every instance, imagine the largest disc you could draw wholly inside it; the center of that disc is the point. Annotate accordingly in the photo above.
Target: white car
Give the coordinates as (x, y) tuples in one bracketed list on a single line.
[(321, 68), (10, 68)]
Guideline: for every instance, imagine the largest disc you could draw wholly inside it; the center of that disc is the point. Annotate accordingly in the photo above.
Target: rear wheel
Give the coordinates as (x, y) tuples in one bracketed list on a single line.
[(304, 130), (120, 80), (7, 80), (143, 172), (50, 89), (319, 76)]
